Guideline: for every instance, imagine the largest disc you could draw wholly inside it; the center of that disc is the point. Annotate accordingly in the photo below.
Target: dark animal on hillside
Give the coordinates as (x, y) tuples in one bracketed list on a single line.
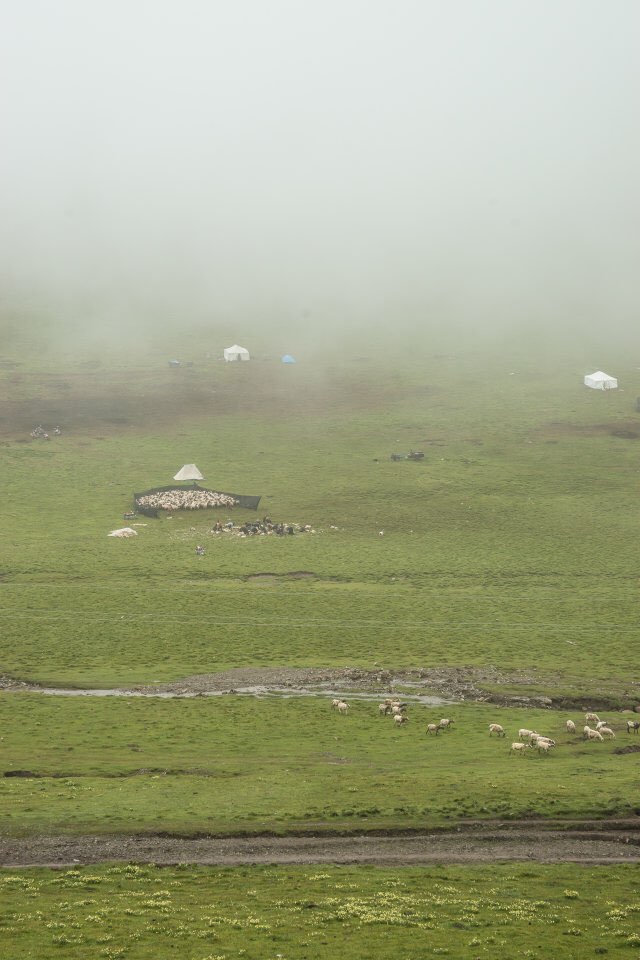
[(633, 725)]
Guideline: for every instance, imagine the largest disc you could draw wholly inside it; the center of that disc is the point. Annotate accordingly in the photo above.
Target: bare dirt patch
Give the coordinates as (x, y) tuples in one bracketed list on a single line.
[(430, 686), (472, 842), (292, 575), (450, 683), (623, 429)]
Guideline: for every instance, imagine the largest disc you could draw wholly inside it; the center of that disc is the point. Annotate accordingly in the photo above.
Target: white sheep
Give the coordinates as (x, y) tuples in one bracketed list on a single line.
[(591, 717), (633, 725), (342, 707), (383, 709), (600, 724), (496, 728), (586, 731), (571, 727), (543, 740), (595, 735), (334, 704), (609, 732), (433, 728), (519, 747), (445, 724), (399, 719), (524, 734), (543, 746)]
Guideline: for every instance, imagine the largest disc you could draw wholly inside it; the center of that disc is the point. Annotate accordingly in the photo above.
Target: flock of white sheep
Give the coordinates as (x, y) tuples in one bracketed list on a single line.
[(397, 710), (532, 739), (527, 739), (184, 499)]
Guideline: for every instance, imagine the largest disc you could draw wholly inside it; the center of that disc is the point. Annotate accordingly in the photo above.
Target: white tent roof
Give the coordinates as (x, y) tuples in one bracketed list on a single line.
[(600, 380), (235, 351), (189, 472)]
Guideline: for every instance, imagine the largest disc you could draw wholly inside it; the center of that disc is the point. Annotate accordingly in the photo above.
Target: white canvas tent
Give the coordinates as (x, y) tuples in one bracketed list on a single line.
[(236, 353), (600, 381), (189, 472)]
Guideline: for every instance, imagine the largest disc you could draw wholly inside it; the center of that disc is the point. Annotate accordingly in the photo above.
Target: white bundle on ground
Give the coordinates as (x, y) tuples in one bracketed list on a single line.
[(185, 500), (123, 532)]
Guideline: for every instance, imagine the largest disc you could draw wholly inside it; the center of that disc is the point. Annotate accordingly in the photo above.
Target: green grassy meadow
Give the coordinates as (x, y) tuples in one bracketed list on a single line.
[(513, 544), (500, 911), (237, 764)]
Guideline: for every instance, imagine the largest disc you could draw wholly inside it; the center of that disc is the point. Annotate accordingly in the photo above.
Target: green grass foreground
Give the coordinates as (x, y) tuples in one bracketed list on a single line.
[(303, 913), (239, 764)]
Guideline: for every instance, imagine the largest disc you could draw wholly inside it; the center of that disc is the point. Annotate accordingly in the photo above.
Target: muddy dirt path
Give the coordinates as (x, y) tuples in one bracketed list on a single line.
[(590, 842)]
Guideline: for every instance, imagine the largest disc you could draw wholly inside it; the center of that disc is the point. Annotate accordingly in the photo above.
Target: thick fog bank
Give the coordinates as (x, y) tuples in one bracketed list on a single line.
[(319, 170)]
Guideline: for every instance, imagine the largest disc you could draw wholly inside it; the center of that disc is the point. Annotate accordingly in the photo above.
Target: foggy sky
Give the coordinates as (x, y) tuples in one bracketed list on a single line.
[(349, 158)]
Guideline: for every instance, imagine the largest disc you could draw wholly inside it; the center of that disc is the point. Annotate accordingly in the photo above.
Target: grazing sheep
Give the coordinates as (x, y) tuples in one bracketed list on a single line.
[(600, 724), (591, 717), (399, 719), (334, 704), (542, 740), (519, 747), (445, 724), (586, 731), (398, 708), (571, 727), (595, 735), (609, 732), (633, 725), (496, 728), (342, 707), (543, 746), (433, 728), (524, 734), (383, 709)]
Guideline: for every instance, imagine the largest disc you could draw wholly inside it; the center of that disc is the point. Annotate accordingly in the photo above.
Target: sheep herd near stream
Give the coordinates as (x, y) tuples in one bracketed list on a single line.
[(527, 740)]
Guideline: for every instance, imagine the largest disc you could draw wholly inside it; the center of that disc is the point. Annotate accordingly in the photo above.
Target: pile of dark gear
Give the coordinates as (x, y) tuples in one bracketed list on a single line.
[(261, 528), (39, 433)]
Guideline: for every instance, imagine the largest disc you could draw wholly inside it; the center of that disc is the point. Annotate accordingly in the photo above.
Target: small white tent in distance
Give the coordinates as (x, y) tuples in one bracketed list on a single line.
[(188, 472), (235, 353), (600, 381)]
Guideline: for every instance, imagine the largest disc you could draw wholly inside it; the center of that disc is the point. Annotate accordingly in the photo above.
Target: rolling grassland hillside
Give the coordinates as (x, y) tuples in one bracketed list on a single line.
[(493, 581)]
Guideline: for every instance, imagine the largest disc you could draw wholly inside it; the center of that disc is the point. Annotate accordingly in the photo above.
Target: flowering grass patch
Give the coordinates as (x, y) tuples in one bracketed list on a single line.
[(138, 912)]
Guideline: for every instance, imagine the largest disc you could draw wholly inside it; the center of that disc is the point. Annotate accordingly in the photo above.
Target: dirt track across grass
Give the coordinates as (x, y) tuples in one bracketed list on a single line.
[(589, 842)]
